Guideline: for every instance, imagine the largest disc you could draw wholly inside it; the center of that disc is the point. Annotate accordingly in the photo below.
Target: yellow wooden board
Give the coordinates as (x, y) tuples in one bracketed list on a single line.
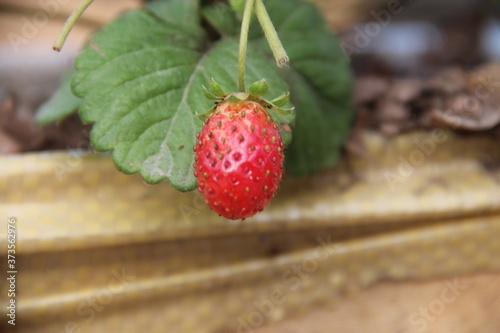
[(100, 251)]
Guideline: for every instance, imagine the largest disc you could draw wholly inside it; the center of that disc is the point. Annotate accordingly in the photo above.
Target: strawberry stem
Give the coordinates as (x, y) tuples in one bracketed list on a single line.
[(245, 24), (271, 35), (70, 22)]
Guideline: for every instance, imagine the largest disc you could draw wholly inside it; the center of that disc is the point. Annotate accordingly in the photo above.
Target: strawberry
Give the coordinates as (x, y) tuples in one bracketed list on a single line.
[(238, 159)]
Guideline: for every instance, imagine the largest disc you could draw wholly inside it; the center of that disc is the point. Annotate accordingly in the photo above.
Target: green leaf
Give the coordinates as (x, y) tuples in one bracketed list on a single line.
[(141, 81), (222, 19), (320, 80), (180, 14), (62, 103), (321, 85)]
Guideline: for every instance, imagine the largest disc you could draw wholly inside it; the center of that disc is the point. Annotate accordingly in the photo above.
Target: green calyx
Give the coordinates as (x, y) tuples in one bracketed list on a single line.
[(259, 88), (256, 91)]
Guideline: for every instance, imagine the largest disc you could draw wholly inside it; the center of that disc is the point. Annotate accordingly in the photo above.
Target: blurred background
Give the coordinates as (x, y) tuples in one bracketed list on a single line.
[(417, 53), (395, 39)]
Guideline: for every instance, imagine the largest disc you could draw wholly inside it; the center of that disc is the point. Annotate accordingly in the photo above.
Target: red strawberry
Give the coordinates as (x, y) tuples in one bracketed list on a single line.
[(239, 159)]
